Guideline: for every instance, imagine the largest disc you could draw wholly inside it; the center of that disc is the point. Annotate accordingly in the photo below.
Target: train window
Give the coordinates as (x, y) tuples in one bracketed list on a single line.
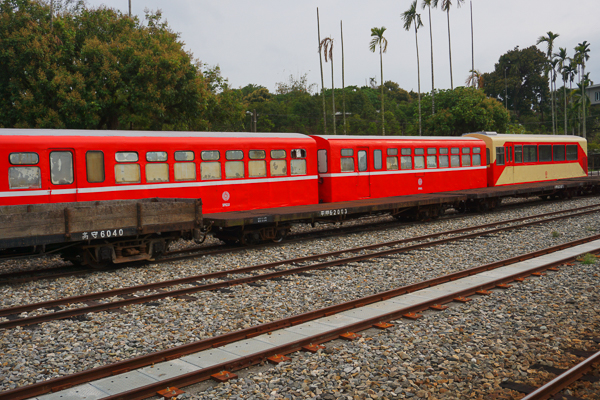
[(94, 161), (156, 156), (234, 169), (559, 152), (210, 171), (362, 161), (466, 160), (347, 164), (24, 178), (278, 154), (571, 152), (444, 150), (257, 168), (431, 150), (545, 152), (476, 159), (487, 156), (61, 167), (476, 150), (184, 171), (298, 167), (518, 154), (23, 158), (210, 155), (279, 167), (499, 155), (530, 153), (126, 156), (392, 152), (184, 156), (234, 155), (158, 172), (466, 150), (419, 161), (510, 155), (444, 161), (455, 160), (127, 173), (257, 154), (322, 161), (298, 153), (405, 162), (419, 152), (454, 150), (431, 161), (377, 159), (392, 163), (406, 152), (347, 152)]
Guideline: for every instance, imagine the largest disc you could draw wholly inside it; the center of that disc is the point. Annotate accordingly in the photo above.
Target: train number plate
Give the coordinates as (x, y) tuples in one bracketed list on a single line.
[(340, 211), (559, 186), (105, 234)]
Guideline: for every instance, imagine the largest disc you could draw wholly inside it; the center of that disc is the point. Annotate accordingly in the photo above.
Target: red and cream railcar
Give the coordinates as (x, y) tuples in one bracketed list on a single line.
[(228, 171), (515, 159), (361, 167)]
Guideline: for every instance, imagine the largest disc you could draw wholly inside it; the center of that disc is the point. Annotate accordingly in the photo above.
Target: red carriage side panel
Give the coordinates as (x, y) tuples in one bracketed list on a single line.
[(359, 167)]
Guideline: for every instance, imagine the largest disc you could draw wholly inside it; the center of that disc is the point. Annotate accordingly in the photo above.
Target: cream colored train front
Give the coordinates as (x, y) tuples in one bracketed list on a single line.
[(514, 159)]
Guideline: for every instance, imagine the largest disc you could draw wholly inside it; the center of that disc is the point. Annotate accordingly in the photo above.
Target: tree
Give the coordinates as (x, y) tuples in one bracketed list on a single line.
[(322, 82), (526, 84), (563, 62), (379, 40), (327, 44), (445, 6), (96, 69), (582, 56), (475, 80), (465, 110), (412, 18), (427, 3), (549, 40)]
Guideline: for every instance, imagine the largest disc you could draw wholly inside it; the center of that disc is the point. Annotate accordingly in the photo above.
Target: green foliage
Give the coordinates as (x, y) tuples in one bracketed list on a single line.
[(463, 110), (588, 258), (99, 69)]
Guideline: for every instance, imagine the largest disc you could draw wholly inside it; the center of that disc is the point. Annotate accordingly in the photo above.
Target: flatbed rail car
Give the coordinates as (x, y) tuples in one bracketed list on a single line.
[(97, 233), (246, 226)]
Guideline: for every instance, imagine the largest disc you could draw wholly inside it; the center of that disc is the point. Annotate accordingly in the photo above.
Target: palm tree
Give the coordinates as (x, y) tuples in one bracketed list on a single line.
[(327, 44), (549, 40), (475, 79), (322, 82), (446, 4), (427, 3), (411, 17), (378, 39), (563, 62), (343, 83), (583, 50)]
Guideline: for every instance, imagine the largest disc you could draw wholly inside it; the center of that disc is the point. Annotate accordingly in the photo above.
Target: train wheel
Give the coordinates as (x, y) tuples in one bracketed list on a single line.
[(280, 235)]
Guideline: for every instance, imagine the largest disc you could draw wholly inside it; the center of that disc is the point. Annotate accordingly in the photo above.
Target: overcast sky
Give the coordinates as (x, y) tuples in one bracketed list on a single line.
[(264, 42)]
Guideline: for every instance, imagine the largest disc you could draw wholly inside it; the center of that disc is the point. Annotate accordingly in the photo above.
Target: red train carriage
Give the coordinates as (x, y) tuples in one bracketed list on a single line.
[(515, 159), (228, 171), (360, 167)]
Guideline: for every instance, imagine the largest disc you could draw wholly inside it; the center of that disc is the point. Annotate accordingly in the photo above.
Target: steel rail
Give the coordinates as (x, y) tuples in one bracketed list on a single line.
[(66, 382), (564, 380), (218, 285)]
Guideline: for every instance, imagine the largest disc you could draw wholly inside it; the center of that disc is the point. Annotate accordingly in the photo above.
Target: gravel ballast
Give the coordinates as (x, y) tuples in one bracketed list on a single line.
[(63, 347)]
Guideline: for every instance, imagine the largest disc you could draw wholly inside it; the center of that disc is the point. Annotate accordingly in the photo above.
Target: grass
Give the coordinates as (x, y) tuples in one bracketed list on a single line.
[(555, 234), (588, 259)]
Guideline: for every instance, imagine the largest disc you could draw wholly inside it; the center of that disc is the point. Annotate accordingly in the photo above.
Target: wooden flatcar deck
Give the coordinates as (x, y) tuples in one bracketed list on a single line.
[(325, 211)]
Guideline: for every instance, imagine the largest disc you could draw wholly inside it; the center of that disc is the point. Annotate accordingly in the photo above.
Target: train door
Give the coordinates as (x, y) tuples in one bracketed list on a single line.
[(62, 182), (509, 168), (364, 177)]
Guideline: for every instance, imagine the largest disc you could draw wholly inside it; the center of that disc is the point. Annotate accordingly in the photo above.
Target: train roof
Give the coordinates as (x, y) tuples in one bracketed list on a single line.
[(152, 134), (350, 137), (496, 137)]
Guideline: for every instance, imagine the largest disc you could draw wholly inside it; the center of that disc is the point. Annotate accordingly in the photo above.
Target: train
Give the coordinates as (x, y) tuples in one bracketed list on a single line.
[(233, 172)]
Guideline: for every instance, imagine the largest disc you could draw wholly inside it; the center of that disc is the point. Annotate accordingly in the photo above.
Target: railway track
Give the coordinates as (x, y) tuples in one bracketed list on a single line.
[(199, 283), (67, 269), (307, 342)]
